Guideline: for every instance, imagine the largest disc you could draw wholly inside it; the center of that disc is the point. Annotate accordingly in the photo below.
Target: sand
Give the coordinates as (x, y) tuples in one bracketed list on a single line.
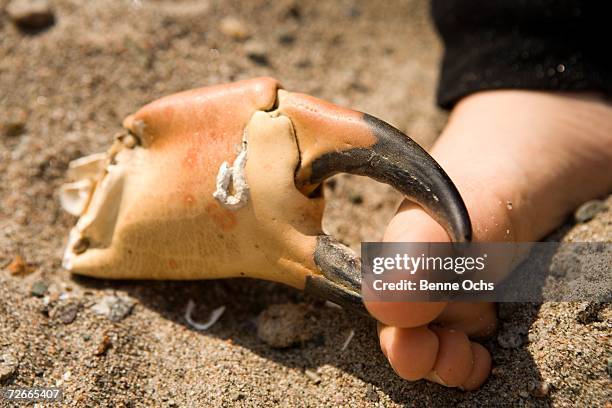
[(63, 93)]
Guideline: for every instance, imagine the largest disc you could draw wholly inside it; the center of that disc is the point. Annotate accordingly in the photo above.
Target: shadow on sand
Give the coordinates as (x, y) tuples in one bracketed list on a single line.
[(244, 299)]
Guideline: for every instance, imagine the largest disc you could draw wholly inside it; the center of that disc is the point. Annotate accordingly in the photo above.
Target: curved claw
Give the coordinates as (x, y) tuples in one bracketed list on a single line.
[(335, 140), (341, 279), (332, 140)]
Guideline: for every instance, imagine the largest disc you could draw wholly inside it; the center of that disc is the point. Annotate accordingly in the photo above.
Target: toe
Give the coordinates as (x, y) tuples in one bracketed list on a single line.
[(454, 362), (480, 371), (411, 352)]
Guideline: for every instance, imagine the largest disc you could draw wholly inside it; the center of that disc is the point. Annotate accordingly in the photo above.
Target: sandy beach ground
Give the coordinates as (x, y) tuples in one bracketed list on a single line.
[(64, 90)]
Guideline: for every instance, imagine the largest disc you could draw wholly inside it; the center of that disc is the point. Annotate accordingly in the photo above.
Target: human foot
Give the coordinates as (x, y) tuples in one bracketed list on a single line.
[(522, 161)]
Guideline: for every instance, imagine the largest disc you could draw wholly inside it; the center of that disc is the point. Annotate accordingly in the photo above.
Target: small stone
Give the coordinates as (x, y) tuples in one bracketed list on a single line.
[(589, 210), (115, 308), (523, 394), (314, 377), (66, 313), (30, 14), (609, 367), (284, 325), (234, 28), (8, 366), (541, 389), (39, 289), (256, 51), (589, 312), (14, 122)]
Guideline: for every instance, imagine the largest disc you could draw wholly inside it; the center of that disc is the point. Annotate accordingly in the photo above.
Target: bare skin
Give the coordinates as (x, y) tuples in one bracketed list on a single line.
[(522, 161)]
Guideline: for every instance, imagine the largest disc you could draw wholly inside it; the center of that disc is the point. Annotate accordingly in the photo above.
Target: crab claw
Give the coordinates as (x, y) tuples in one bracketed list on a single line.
[(223, 181)]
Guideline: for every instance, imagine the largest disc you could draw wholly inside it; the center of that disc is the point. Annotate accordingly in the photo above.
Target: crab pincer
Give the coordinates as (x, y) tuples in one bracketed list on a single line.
[(224, 181)]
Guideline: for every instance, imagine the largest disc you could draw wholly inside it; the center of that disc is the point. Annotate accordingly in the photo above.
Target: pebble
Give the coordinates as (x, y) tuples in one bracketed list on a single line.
[(30, 14), (66, 313), (609, 367), (284, 325), (256, 51), (234, 28), (39, 289), (115, 308), (541, 389), (8, 366), (314, 377), (589, 210), (523, 394)]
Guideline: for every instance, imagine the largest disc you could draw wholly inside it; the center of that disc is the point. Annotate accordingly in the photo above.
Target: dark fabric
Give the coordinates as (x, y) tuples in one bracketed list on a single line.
[(526, 44)]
